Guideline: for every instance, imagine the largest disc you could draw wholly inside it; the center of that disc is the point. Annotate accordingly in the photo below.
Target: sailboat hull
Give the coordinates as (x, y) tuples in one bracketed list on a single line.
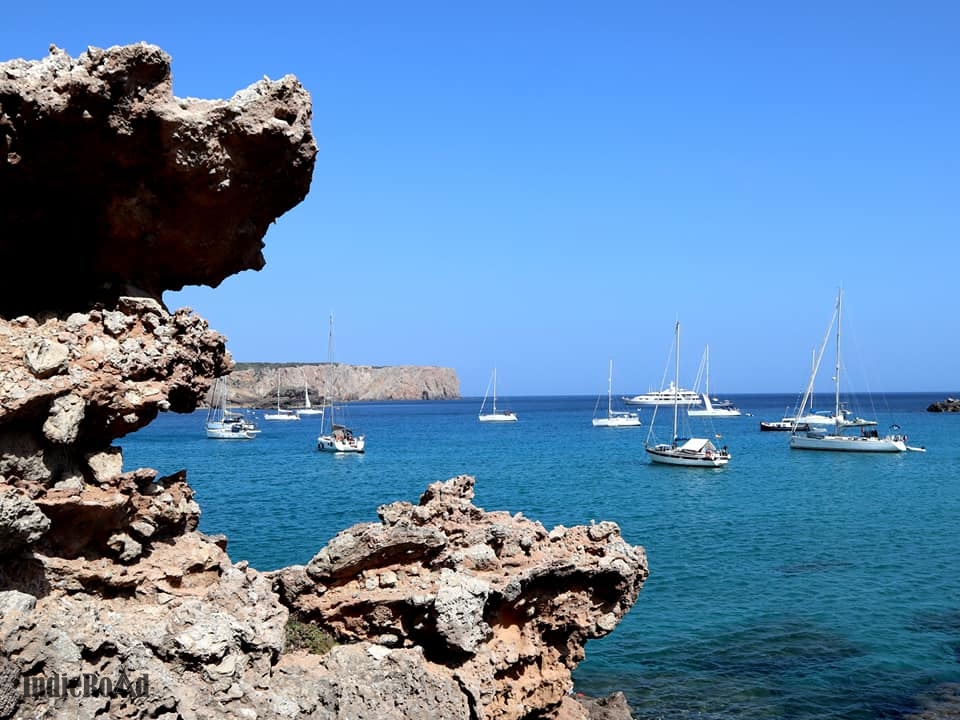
[(630, 420), (848, 443), (282, 415), (230, 431), (669, 455), (500, 417), (327, 443)]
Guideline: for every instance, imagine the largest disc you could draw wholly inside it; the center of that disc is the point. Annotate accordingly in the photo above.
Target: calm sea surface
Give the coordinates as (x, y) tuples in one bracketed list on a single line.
[(790, 584)]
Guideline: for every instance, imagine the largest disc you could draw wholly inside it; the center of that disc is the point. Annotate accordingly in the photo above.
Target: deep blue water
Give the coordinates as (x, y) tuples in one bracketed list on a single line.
[(790, 584)]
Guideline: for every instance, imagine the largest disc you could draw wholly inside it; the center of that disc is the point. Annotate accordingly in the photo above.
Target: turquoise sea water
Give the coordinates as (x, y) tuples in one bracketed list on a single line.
[(790, 584)]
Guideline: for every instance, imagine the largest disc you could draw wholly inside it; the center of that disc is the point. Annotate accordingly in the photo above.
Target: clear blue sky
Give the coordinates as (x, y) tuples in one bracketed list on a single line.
[(542, 186)]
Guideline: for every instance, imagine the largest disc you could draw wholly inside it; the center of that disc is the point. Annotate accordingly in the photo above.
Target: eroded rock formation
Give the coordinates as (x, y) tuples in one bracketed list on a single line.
[(504, 603), (443, 610), (135, 191)]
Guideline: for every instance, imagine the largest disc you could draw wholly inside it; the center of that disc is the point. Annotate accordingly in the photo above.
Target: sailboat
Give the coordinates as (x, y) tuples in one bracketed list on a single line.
[(803, 421), (224, 424), (614, 418), (868, 439), (688, 452), (503, 415), (281, 413), (714, 407), (307, 408), (335, 436)]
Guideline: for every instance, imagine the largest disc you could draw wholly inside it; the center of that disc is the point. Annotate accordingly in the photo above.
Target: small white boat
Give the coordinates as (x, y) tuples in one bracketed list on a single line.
[(335, 436), (281, 413), (687, 452), (494, 416), (785, 425), (658, 398), (614, 418), (223, 423), (695, 452)]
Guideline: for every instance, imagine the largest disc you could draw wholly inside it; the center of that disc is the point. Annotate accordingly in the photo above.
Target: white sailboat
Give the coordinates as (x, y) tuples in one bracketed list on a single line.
[(281, 413), (335, 436), (224, 424), (868, 439), (307, 408), (711, 407), (687, 452), (819, 418), (494, 416), (614, 418)]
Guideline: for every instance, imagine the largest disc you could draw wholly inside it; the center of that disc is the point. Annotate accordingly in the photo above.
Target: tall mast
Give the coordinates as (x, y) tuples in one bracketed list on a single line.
[(706, 353), (836, 402), (330, 342), (676, 386), (610, 390)]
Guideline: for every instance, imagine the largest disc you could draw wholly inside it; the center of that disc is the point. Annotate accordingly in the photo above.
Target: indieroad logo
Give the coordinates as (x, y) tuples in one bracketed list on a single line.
[(86, 685)]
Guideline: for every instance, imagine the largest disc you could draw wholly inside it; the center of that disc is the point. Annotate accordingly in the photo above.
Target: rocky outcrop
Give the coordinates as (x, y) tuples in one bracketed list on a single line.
[(949, 405), (256, 385), (112, 603), (112, 186), (499, 599)]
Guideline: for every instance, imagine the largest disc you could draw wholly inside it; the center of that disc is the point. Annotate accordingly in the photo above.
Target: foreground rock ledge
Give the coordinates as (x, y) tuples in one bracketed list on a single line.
[(501, 603), (442, 609), (449, 611)]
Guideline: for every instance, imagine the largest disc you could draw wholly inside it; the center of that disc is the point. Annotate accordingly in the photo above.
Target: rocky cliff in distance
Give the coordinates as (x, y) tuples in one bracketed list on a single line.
[(112, 603), (255, 384)]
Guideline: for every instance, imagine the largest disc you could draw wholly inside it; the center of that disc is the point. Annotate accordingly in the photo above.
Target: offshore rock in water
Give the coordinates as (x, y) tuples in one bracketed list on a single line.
[(949, 405), (112, 186)]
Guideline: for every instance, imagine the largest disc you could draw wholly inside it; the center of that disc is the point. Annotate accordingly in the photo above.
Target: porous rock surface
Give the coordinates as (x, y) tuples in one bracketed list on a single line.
[(499, 599), (134, 190), (443, 610)]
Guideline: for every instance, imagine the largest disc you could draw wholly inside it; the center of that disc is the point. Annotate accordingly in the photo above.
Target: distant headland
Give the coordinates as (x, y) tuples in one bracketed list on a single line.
[(255, 384)]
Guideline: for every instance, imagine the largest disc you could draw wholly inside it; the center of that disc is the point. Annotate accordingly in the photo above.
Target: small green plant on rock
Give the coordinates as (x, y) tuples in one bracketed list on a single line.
[(307, 636)]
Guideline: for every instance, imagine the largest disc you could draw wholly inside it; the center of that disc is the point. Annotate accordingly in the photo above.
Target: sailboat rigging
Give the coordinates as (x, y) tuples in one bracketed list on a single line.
[(614, 418), (335, 436), (494, 416), (868, 439), (692, 452), (281, 413), (222, 422)]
